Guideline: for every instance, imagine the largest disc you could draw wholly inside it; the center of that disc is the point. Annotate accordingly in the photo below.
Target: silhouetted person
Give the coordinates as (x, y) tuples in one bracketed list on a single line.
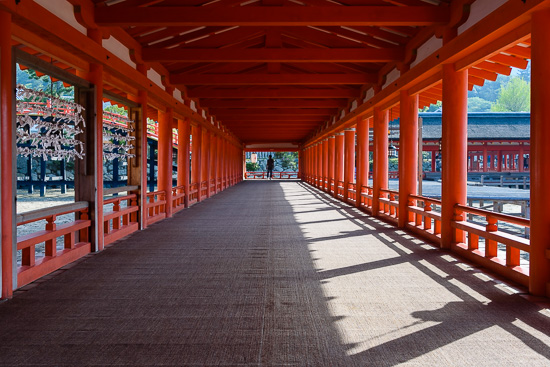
[(269, 167)]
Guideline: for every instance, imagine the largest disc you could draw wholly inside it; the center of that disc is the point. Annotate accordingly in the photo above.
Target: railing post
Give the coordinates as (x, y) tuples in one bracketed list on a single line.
[(349, 161), (491, 249), (339, 162), (362, 173), (183, 157)]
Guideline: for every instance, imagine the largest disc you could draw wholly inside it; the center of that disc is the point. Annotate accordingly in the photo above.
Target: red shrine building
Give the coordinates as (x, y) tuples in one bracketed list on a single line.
[(311, 76)]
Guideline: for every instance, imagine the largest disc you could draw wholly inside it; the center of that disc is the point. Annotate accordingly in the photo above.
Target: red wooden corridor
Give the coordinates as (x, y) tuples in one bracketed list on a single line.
[(324, 270)]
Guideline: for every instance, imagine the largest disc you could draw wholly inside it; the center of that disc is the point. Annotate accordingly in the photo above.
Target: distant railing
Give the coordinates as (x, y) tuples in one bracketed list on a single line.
[(340, 189), (277, 175), (204, 190), (75, 240), (427, 217), (506, 262), (193, 193), (389, 204), (156, 206), (120, 221), (178, 198), (331, 187), (366, 198), (352, 192)]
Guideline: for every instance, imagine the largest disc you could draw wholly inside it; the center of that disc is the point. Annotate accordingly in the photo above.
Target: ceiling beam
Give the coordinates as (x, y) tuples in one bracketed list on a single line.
[(290, 92), (273, 55), (275, 111), (182, 16), (277, 103), (272, 79)]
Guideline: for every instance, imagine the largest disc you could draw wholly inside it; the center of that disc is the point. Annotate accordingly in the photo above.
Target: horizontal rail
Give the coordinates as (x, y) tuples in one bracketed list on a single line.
[(120, 222), (40, 214), (116, 190), (498, 216)]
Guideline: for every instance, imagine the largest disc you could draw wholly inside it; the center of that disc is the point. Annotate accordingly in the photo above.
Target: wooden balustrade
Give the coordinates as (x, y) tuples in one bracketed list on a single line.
[(331, 187), (278, 175), (156, 206), (427, 217), (203, 190), (75, 240), (178, 198), (340, 190), (506, 262), (120, 222), (366, 198), (352, 192), (193, 193), (389, 204)]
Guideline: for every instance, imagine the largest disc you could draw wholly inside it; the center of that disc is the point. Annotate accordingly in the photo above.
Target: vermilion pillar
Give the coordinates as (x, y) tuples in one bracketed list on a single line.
[(196, 159), (183, 157), (380, 160), (408, 155), (454, 150), (205, 159), (6, 134), (319, 165), (539, 262), (339, 162), (349, 160), (214, 162), (331, 160), (362, 157), (325, 165), (164, 177)]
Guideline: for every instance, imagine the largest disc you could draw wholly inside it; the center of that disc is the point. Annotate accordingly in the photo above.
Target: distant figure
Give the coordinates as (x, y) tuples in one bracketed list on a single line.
[(269, 167)]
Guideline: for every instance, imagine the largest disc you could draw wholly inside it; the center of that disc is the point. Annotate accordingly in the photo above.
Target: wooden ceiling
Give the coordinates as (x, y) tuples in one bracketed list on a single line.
[(275, 71)]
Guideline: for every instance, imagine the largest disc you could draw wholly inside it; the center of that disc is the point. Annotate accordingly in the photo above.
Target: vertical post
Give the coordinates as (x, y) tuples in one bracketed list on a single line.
[(380, 161), (420, 143), (325, 164), (164, 180), (455, 150), (362, 158), (7, 145), (339, 162), (349, 160), (205, 154), (539, 264), (331, 160), (196, 159), (183, 158), (408, 155), (319, 163)]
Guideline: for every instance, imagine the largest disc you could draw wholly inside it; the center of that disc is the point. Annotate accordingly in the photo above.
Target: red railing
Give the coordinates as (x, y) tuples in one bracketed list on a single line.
[(366, 198), (156, 206), (427, 217), (263, 175), (389, 204), (178, 198), (331, 187), (120, 221), (340, 190), (193, 193), (75, 241), (352, 192), (204, 189), (212, 186), (505, 262)]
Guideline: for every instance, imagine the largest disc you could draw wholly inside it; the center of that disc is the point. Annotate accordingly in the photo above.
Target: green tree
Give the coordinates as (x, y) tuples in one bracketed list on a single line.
[(514, 97), (433, 107), (477, 104)]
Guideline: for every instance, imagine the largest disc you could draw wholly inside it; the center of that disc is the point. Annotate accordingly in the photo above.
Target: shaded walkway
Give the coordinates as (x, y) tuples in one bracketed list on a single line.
[(272, 273)]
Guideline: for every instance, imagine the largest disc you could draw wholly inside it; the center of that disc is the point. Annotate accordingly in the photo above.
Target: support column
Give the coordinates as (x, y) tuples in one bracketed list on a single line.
[(205, 158), (196, 159), (454, 150), (213, 163), (339, 162), (362, 157), (7, 100), (183, 157), (539, 263), (164, 175), (485, 162), (331, 160), (319, 164), (380, 161), (408, 155), (349, 160), (520, 158), (325, 164)]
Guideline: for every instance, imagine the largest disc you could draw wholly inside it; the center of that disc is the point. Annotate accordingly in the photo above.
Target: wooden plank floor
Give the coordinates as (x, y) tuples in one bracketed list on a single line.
[(272, 273)]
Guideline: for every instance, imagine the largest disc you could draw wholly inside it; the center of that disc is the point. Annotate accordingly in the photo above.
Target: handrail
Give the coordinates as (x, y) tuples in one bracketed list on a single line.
[(425, 199), (39, 214), (120, 222), (498, 216), (116, 190)]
